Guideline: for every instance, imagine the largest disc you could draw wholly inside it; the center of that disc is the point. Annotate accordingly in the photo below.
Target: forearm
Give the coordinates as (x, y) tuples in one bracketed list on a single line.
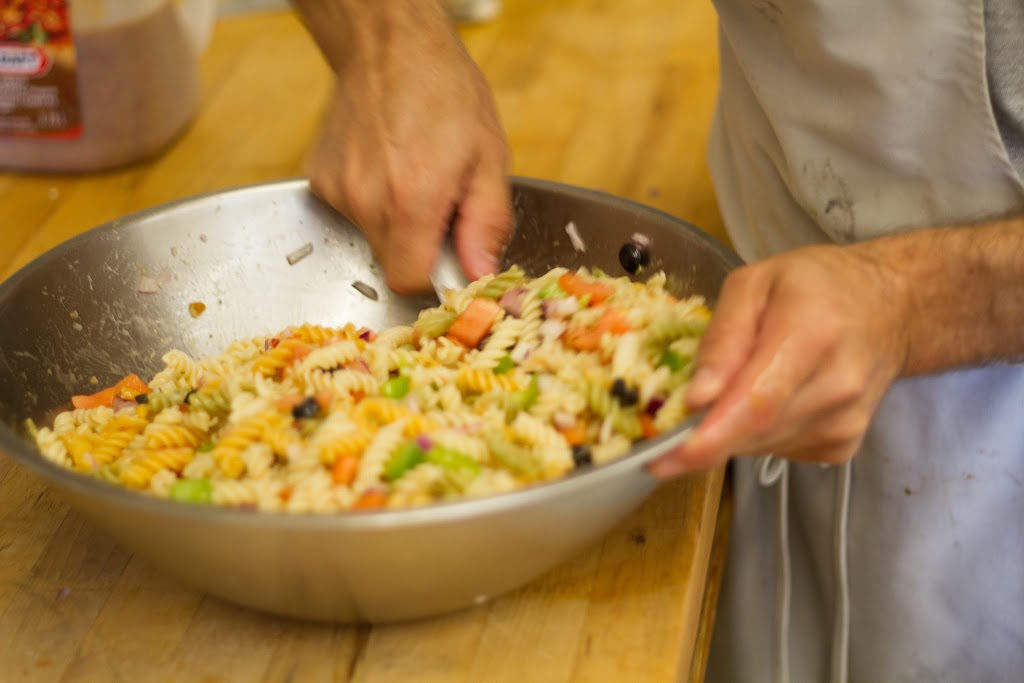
[(364, 30), (961, 290)]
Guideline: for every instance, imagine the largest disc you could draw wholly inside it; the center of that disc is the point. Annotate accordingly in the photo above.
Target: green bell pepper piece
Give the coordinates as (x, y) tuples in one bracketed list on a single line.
[(197, 491), (396, 387), (505, 364), (452, 460), (404, 459)]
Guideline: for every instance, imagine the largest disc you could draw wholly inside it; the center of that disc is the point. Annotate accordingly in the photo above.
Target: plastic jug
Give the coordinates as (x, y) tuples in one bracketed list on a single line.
[(87, 85)]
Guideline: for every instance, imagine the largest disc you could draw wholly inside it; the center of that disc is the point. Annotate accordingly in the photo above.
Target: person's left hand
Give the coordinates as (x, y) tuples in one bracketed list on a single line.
[(800, 350)]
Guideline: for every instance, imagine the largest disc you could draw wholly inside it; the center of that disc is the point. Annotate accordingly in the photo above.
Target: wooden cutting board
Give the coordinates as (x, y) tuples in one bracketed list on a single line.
[(616, 96)]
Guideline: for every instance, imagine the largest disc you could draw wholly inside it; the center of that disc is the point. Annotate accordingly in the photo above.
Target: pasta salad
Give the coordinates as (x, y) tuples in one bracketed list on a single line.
[(510, 381)]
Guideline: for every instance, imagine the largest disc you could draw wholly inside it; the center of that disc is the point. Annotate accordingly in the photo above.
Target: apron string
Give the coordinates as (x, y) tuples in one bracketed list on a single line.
[(840, 567), (771, 471)]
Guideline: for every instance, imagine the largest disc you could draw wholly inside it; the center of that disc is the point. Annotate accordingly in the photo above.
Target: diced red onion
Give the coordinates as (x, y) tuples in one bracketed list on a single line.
[(551, 329), (512, 301), (424, 442), (641, 240), (122, 403), (654, 405), (358, 365), (366, 334), (559, 308), (520, 352)]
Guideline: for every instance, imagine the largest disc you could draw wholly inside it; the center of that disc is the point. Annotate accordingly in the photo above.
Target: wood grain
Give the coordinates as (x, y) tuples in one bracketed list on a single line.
[(611, 95)]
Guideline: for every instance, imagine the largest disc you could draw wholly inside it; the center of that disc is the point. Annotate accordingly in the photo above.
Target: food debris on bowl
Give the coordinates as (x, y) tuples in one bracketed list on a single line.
[(366, 290), (196, 308), (574, 236), (300, 253), (148, 284)]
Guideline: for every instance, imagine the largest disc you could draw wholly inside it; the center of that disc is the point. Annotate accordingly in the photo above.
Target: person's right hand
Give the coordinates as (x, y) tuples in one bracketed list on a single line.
[(412, 143)]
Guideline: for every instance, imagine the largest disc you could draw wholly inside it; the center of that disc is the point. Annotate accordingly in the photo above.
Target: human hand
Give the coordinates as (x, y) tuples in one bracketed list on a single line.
[(412, 145), (800, 350)]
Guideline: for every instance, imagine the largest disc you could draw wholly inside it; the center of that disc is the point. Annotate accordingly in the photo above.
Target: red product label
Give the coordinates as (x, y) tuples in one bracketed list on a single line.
[(38, 83)]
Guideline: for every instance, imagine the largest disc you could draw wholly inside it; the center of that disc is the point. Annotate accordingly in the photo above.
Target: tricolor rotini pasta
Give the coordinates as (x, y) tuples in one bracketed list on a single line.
[(510, 381)]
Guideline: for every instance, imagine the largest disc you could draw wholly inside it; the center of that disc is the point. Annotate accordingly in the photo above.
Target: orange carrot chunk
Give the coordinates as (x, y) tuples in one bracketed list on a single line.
[(647, 426), (574, 435), (287, 402), (344, 470), (472, 325), (613, 321), (583, 339), (370, 500), (578, 286)]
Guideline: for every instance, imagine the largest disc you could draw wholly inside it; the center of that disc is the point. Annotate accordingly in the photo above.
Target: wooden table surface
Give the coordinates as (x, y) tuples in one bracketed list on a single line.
[(611, 95)]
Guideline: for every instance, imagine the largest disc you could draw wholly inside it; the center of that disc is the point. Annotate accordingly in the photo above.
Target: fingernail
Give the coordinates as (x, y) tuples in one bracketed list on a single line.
[(666, 468), (705, 385), (483, 263)]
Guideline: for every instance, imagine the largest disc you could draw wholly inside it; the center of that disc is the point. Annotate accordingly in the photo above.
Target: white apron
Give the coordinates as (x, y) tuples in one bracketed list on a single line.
[(842, 120)]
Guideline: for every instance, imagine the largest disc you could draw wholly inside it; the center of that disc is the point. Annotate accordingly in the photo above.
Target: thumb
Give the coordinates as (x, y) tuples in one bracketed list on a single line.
[(483, 224)]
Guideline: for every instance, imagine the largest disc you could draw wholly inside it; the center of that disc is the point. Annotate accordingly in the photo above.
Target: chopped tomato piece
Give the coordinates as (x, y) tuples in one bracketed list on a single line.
[(472, 325), (592, 291)]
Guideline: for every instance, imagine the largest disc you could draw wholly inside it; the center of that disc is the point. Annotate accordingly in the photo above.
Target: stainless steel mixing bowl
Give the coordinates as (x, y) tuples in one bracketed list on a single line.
[(76, 313)]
